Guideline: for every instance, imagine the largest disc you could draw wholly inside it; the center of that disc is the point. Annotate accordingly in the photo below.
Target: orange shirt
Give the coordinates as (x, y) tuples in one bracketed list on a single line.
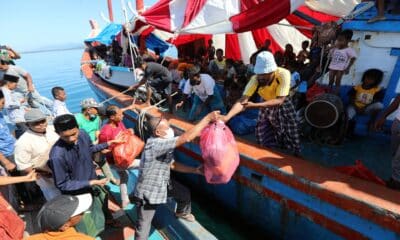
[(69, 234)]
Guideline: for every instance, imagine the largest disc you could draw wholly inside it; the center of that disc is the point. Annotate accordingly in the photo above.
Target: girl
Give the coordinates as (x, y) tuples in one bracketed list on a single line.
[(342, 58)]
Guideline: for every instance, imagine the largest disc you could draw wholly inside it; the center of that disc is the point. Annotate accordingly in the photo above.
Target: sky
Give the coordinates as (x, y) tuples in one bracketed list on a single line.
[(28, 25)]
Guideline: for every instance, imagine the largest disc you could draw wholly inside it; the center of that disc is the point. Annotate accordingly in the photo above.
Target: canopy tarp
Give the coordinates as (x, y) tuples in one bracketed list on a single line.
[(107, 35)]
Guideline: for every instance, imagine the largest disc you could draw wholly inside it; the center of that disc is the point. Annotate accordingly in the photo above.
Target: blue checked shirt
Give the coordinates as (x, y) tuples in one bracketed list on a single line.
[(154, 170)]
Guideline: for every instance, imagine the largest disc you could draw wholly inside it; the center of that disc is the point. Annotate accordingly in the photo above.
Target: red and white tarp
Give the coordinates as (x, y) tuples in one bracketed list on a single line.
[(240, 26)]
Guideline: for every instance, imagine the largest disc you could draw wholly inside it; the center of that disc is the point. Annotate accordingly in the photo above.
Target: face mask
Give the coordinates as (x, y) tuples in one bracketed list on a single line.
[(169, 133), (92, 117)]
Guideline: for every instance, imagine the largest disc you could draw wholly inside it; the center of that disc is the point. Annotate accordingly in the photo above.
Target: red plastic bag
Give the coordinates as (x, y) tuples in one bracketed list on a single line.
[(360, 171), (11, 225), (125, 153), (314, 91), (220, 153)]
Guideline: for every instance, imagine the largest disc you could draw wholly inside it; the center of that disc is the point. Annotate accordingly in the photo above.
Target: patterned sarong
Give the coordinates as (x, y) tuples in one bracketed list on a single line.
[(277, 127)]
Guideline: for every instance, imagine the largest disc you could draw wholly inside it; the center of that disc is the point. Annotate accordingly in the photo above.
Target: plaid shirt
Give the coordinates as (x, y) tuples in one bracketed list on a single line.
[(154, 171)]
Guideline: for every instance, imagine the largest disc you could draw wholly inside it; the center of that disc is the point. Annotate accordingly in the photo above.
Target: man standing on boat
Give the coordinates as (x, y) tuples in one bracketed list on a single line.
[(206, 94), (157, 78), (276, 123), (154, 184)]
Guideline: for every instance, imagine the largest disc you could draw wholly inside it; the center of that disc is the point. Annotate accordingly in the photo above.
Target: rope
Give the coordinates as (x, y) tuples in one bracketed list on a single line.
[(113, 97)]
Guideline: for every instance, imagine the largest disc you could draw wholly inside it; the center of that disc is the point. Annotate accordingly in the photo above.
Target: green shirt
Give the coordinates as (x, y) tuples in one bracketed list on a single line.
[(90, 126)]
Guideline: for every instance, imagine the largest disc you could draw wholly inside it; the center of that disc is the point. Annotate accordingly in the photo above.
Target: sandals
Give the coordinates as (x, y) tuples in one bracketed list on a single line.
[(186, 216), (376, 19)]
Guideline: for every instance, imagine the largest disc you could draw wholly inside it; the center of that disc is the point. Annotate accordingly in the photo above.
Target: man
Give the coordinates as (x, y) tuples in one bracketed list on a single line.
[(206, 94), (210, 50), (89, 119), (25, 87), (14, 104), (394, 181), (59, 106), (276, 123), (58, 217), (154, 183), (218, 65), (7, 142), (158, 79), (73, 171), (8, 55), (32, 151)]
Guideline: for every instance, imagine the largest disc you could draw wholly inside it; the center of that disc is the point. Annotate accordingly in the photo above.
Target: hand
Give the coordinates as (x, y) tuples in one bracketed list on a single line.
[(179, 105), (198, 111), (379, 124), (120, 138), (31, 88), (199, 170), (131, 130), (10, 166), (105, 151), (214, 116), (32, 176), (22, 100), (133, 87), (100, 182)]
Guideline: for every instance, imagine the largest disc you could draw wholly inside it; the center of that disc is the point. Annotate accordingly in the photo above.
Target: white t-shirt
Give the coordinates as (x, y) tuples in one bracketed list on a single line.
[(203, 90), (33, 149), (59, 108)]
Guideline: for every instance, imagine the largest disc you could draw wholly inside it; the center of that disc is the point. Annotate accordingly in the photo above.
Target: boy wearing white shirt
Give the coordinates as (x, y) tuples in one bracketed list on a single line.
[(59, 106)]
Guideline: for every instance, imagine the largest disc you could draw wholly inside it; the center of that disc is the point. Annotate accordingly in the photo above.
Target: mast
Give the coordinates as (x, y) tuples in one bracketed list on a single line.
[(110, 11), (139, 6)]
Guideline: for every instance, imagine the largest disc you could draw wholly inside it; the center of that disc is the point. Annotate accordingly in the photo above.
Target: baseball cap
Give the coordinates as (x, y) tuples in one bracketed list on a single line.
[(60, 209), (89, 102), (34, 115), (265, 63), (193, 70)]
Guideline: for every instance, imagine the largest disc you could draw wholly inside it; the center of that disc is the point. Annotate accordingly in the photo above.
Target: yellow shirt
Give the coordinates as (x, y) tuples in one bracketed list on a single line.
[(364, 97), (69, 234), (279, 87)]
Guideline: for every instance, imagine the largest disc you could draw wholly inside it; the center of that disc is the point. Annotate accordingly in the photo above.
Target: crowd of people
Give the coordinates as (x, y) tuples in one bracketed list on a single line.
[(42, 141)]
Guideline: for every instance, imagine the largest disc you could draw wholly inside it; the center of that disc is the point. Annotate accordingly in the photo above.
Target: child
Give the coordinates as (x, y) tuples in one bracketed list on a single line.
[(59, 106), (342, 58), (304, 53), (366, 97), (109, 132), (288, 56)]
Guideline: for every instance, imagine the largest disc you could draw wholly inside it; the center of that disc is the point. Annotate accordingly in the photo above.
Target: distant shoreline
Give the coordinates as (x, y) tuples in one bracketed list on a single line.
[(52, 50)]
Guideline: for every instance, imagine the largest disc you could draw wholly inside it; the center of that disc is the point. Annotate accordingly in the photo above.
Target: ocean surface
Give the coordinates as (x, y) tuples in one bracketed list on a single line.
[(62, 68)]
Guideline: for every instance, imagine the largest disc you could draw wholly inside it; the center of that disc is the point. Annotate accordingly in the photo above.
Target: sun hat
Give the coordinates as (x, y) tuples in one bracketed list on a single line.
[(265, 63), (34, 115), (89, 103)]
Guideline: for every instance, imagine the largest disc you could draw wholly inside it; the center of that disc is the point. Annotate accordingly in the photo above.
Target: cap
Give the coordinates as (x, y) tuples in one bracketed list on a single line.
[(10, 78), (183, 66), (265, 63), (60, 209), (34, 115), (89, 102)]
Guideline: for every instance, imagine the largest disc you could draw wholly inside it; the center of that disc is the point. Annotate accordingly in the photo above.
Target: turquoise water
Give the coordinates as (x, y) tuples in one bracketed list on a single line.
[(62, 68)]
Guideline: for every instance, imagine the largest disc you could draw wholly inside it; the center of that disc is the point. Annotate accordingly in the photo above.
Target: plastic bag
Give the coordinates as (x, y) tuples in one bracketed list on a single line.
[(125, 153), (220, 153), (360, 171)]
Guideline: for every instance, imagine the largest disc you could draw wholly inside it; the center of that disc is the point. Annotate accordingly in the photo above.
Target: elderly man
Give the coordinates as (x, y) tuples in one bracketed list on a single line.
[(32, 151), (206, 94), (154, 183), (276, 123)]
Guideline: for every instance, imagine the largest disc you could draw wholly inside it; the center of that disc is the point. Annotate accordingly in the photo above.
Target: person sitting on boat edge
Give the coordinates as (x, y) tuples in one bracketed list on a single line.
[(14, 104), (59, 105), (74, 173), (366, 98), (110, 131), (57, 217), (32, 151), (276, 123), (154, 184), (394, 181), (157, 79), (206, 94)]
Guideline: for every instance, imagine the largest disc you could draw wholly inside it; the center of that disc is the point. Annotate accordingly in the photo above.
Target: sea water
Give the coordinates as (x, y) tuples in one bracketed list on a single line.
[(62, 68)]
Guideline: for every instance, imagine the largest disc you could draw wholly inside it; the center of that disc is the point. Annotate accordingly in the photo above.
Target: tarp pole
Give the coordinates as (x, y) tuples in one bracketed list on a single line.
[(110, 11)]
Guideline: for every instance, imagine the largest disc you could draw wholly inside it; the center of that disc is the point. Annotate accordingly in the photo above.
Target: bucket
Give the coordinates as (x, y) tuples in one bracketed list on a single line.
[(324, 111)]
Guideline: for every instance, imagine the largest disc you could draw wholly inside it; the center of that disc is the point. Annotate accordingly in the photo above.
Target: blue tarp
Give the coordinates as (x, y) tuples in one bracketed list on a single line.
[(166, 49), (107, 35)]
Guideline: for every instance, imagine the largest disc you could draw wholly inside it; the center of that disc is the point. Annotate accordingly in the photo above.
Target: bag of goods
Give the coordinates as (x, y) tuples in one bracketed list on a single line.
[(220, 153), (125, 153)]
